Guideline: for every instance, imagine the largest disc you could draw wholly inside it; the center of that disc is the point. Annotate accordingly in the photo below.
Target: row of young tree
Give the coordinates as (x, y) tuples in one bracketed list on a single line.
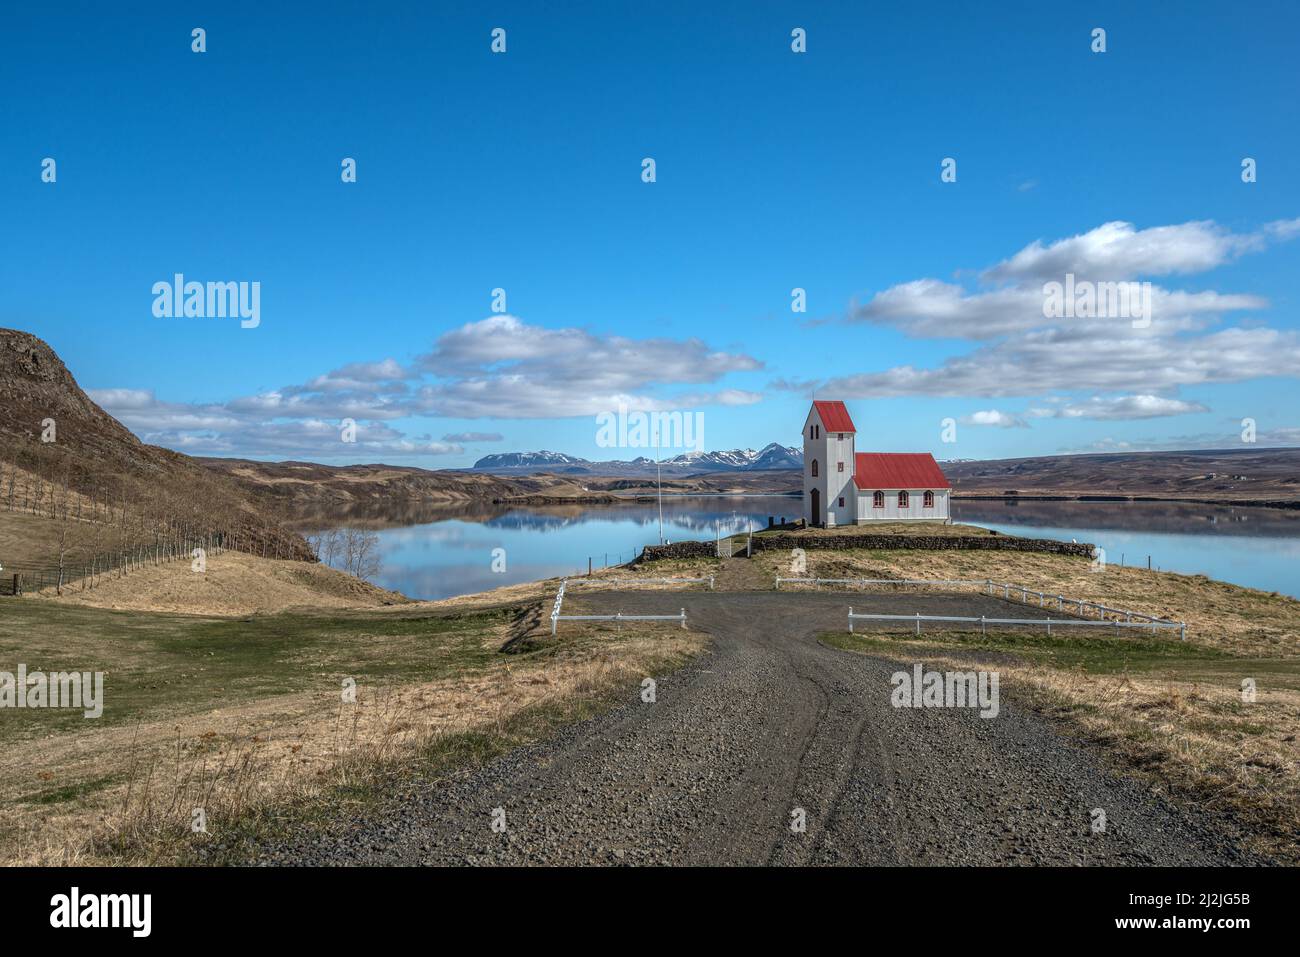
[(353, 550), (110, 525)]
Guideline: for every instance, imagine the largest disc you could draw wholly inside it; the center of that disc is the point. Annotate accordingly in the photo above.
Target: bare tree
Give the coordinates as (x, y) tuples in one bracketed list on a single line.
[(360, 553), (330, 543)]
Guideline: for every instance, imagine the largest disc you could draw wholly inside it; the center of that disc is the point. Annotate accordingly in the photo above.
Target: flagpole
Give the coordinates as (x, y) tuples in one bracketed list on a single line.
[(659, 479)]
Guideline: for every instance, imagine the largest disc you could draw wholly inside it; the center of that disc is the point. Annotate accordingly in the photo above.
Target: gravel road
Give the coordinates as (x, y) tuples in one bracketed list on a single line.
[(768, 723)]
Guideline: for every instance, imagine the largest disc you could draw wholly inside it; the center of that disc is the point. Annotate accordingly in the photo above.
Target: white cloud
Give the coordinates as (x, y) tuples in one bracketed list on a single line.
[(1049, 361), (495, 368), (931, 309), (732, 397), (993, 417), (1023, 353), (1119, 250), (1128, 407)]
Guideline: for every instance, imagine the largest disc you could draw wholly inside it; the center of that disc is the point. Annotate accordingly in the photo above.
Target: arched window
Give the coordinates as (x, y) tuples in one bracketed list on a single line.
[(902, 500), (928, 501), (814, 468), (878, 500)]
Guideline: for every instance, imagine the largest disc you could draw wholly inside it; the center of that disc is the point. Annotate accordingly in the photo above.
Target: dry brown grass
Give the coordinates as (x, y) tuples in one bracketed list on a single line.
[(235, 583), (128, 793), (1243, 621)]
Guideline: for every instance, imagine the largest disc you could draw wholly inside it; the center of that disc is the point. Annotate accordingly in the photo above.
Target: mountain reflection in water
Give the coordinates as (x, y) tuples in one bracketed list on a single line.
[(432, 553), (438, 551)]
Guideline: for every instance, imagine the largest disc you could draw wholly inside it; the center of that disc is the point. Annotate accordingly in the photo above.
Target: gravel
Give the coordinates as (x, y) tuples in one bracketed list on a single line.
[(768, 723)]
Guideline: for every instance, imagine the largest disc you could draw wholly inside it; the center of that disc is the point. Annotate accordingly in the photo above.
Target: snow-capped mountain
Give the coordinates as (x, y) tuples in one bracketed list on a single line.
[(772, 456), (775, 456), (528, 460)]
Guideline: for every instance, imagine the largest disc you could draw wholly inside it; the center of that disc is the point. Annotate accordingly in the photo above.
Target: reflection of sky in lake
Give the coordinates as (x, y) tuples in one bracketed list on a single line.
[(1258, 548), (454, 557)]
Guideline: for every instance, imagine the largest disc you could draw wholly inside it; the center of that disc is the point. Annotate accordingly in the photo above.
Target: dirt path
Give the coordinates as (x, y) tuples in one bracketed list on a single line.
[(771, 723)]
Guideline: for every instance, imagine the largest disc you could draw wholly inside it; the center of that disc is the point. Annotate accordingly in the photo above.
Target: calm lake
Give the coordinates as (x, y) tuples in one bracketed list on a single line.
[(438, 554), (1255, 547)]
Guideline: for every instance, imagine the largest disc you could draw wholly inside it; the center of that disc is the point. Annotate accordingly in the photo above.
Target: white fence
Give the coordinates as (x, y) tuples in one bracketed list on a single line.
[(1010, 593), (556, 617), (984, 622)]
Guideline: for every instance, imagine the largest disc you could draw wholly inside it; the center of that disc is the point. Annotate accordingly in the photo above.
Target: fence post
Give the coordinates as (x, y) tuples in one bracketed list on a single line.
[(683, 619), (982, 632), (777, 586), (1049, 628), (1182, 631), (710, 583), (850, 619), (918, 622)]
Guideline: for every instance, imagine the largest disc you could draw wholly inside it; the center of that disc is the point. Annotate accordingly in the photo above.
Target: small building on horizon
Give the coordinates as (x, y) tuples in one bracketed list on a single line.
[(842, 486)]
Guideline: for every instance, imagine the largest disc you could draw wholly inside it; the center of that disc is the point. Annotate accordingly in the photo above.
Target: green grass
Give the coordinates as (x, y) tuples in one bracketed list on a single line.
[(69, 792), (162, 664)]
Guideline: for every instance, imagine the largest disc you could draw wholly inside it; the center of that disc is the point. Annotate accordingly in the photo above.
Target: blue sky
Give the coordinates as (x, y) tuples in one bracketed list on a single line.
[(774, 170)]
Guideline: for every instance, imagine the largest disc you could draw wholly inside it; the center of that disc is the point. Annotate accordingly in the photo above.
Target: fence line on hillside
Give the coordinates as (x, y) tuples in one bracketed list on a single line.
[(984, 622), (1009, 593), (87, 571)]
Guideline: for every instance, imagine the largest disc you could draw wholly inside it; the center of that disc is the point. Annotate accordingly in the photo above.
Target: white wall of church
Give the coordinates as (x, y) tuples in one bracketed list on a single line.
[(833, 453), (915, 510)]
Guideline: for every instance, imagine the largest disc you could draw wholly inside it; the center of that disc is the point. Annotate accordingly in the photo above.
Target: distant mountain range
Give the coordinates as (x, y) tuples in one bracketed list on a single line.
[(769, 458)]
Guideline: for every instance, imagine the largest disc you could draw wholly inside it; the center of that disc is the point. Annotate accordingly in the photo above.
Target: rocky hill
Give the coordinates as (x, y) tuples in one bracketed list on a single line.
[(1219, 475), (51, 429), (307, 490)]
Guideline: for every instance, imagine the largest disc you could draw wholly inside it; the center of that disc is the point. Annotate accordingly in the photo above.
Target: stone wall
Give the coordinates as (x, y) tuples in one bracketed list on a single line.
[(678, 550), (992, 543)]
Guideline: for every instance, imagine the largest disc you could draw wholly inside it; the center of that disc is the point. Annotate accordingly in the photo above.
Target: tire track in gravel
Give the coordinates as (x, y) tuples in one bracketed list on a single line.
[(767, 721)]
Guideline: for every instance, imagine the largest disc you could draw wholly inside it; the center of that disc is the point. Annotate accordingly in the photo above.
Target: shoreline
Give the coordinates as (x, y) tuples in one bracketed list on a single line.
[(1101, 498)]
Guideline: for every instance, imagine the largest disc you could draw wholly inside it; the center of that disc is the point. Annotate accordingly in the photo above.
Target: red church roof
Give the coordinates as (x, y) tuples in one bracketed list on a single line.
[(909, 470), (835, 418)]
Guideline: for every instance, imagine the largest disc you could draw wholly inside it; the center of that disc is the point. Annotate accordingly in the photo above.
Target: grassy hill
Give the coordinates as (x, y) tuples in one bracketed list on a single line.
[(64, 458)]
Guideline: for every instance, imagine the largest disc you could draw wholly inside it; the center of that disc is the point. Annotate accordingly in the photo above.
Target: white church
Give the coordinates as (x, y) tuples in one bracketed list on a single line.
[(841, 487)]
